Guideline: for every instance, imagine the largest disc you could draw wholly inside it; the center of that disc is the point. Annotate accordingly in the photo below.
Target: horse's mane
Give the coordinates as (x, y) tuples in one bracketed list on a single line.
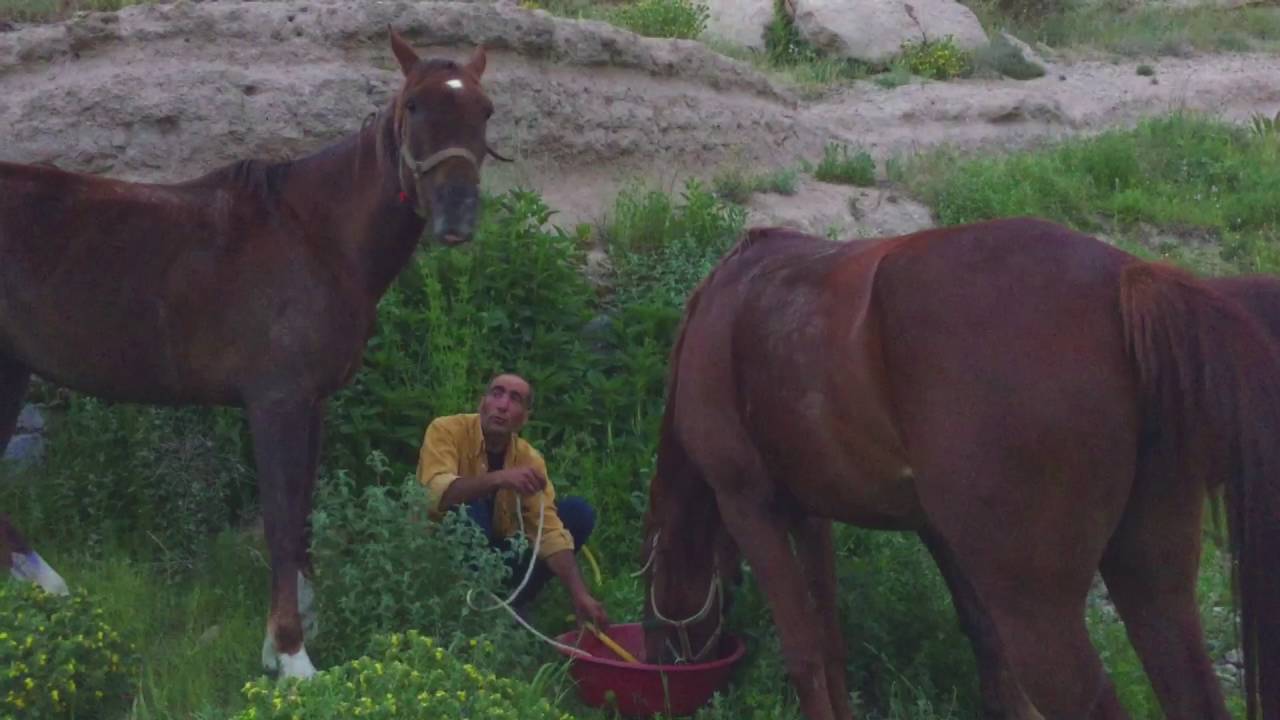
[(263, 179)]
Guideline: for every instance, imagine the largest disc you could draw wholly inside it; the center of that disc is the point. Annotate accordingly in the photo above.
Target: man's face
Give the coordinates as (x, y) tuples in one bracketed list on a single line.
[(505, 405)]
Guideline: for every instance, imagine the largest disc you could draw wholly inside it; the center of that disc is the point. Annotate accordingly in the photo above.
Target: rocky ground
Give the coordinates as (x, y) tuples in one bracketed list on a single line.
[(165, 92)]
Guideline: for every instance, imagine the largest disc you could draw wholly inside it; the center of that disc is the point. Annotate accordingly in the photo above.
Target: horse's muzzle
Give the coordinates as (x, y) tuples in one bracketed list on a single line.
[(453, 211)]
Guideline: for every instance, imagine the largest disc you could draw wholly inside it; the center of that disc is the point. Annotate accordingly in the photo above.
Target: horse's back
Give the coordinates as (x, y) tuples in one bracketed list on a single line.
[(122, 289)]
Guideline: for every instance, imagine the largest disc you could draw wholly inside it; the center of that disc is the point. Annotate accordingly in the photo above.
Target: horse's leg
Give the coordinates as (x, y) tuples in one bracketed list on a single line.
[(284, 453), (22, 562), (761, 532), (1150, 567), (1026, 522), (306, 595), (1002, 697), (818, 555)]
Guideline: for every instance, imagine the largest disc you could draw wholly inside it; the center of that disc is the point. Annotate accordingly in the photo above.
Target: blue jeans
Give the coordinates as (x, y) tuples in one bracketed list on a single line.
[(579, 519)]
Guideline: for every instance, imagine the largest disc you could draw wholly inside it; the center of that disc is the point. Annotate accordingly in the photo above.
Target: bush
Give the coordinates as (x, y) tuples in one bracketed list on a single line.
[(410, 676), (840, 164), (685, 19), (737, 186), (661, 249), (936, 59), (163, 480), (63, 661), (381, 566)]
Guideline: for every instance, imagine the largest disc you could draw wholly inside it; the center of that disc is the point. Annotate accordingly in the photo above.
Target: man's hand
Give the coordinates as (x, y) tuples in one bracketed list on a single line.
[(589, 610), (523, 480)]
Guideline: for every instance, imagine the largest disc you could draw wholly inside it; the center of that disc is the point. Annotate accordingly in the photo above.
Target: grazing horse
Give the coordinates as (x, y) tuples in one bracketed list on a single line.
[(1034, 404), (253, 286)]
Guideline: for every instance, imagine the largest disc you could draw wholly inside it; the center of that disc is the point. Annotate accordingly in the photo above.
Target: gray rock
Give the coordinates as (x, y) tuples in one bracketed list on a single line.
[(25, 449), (165, 92), (30, 420), (874, 30), (740, 22)]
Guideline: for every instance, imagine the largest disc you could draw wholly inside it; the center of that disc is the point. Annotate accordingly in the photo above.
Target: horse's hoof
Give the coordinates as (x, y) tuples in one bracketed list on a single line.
[(297, 665), (270, 658), (32, 568)]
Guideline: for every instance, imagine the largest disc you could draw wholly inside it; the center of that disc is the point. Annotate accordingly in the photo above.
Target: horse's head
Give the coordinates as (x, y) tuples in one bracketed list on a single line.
[(440, 117), (691, 566)]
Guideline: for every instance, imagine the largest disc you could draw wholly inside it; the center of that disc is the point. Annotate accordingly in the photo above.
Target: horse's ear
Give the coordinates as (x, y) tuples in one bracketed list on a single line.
[(477, 62), (403, 52)]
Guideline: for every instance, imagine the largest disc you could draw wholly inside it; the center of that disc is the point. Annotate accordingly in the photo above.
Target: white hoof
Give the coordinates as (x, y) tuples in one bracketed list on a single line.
[(270, 658), (32, 568), (297, 665)]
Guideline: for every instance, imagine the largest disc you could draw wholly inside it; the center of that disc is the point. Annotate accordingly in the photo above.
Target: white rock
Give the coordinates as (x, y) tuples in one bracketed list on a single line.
[(874, 30)]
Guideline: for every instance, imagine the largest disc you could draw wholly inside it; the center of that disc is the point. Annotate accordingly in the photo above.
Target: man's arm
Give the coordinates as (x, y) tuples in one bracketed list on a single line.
[(526, 481), (587, 608), (438, 468)]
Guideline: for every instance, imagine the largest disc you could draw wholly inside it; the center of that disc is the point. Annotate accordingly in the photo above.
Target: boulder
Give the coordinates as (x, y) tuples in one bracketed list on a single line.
[(740, 22), (874, 30), (165, 92)]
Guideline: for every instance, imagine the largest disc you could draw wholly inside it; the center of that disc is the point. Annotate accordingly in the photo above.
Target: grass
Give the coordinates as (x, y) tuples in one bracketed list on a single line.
[(847, 166), (1176, 177), (738, 185), (198, 638), (50, 10), (1147, 29)]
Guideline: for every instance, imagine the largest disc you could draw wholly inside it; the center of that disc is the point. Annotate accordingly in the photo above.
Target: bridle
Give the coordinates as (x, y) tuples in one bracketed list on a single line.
[(420, 167), (715, 598)]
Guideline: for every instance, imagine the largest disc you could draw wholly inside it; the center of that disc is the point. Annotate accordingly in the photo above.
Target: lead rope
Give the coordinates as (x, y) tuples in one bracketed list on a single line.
[(533, 558)]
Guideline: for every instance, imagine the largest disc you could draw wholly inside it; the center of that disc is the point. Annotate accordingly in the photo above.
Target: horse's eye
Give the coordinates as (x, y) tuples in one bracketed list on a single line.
[(411, 106)]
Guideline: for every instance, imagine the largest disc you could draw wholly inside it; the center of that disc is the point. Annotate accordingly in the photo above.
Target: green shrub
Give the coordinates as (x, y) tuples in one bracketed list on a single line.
[(737, 186), (514, 299), (685, 19), (163, 480), (61, 659), (405, 675), (381, 566), (786, 48), (661, 249), (937, 59), (841, 164)]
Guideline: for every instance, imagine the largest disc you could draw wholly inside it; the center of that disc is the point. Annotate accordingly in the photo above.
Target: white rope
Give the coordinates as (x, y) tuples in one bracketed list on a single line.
[(533, 559)]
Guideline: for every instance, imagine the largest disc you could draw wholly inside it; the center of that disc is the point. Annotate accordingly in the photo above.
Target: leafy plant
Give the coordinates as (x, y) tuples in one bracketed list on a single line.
[(407, 675), (936, 59), (382, 566), (62, 660), (163, 479), (842, 164), (737, 186), (685, 19)]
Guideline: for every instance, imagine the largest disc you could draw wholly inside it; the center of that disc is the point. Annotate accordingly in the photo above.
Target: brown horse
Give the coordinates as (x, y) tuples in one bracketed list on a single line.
[(253, 286), (1035, 404)]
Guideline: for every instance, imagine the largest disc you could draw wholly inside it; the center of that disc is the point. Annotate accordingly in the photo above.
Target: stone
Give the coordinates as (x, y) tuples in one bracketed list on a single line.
[(740, 22), (24, 449), (874, 30)]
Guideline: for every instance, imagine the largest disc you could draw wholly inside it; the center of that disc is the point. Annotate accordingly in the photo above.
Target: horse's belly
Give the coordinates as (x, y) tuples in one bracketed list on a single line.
[(875, 489)]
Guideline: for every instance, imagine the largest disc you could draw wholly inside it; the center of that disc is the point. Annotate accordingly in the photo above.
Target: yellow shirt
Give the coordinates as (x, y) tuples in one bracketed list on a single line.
[(454, 447)]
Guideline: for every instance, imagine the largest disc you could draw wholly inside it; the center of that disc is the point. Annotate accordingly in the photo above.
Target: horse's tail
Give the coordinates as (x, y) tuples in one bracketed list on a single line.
[(1210, 383)]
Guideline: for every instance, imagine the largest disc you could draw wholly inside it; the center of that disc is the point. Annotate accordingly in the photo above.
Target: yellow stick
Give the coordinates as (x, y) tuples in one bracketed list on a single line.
[(609, 643), (595, 567)]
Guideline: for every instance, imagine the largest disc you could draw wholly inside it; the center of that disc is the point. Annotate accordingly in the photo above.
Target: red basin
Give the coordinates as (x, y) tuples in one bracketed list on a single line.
[(641, 689)]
